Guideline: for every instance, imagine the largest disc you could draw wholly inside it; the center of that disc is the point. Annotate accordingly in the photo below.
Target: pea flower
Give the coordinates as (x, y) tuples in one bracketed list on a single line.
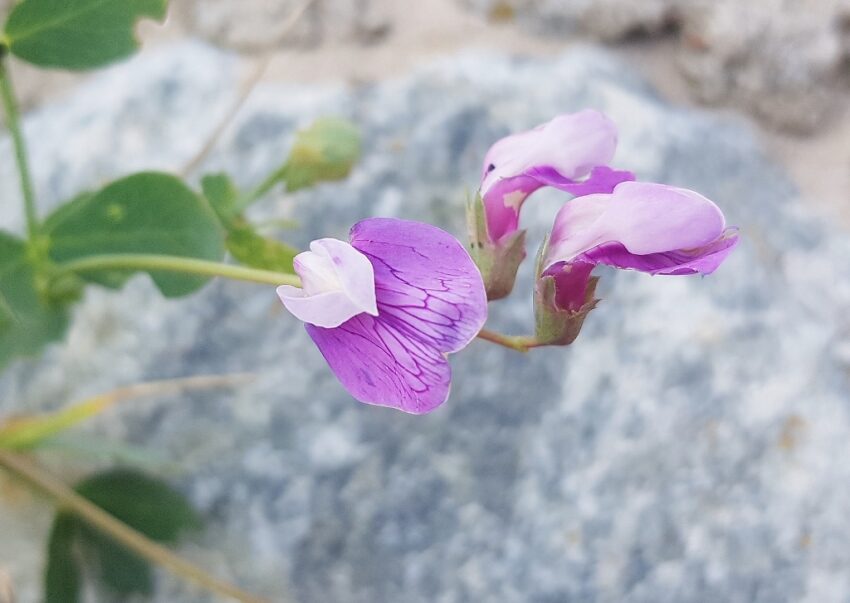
[(387, 308), (570, 152), (643, 226)]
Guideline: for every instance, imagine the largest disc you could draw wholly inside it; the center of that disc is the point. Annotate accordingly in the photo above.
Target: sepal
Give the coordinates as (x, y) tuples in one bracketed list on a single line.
[(498, 261), (557, 321)]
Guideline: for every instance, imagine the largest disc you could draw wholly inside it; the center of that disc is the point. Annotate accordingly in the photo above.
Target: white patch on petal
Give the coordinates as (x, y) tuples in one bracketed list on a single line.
[(514, 200), (317, 273), (338, 283)]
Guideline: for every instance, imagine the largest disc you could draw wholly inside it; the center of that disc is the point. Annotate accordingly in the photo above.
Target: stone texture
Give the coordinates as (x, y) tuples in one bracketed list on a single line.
[(784, 60), (262, 25), (689, 447)]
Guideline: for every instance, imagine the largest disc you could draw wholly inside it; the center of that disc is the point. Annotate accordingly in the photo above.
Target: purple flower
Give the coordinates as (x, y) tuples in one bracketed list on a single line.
[(643, 226), (571, 152), (386, 309)]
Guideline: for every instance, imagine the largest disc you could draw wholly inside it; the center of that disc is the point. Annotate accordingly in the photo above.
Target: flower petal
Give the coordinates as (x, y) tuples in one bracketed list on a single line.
[(702, 260), (353, 270), (571, 144), (571, 281), (503, 201), (602, 179), (338, 283), (643, 218), (379, 363), (329, 309), (425, 281), (557, 153)]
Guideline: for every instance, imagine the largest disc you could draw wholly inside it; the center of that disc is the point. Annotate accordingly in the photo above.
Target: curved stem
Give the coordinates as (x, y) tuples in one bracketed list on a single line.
[(260, 190), (519, 343), (69, 500), (13, 122), (246, 89), (26, 432), (170, 263)]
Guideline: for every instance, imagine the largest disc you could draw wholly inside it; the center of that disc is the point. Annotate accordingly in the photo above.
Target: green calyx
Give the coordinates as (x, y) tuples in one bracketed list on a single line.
[(553, 324), (497, 261)]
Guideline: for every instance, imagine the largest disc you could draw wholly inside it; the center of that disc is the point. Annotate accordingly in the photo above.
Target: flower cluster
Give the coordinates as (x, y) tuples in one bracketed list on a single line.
[(386, 308), (612, 220)]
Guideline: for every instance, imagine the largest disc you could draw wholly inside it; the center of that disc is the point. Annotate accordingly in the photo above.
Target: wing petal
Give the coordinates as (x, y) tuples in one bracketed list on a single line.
[(426, 284), (381, 364)]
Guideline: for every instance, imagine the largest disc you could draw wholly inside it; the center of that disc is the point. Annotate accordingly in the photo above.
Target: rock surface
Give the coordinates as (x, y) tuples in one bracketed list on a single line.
[(785, 60), (690, 447), (258, 25)]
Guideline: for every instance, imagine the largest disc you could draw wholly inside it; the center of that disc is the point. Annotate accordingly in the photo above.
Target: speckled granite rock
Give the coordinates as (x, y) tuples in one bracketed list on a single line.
[(690, 447), (785, 60)]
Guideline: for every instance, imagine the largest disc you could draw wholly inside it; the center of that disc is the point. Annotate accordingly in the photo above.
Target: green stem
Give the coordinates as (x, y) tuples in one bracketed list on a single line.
[(13, 122), (260, 190), (170, 263), (519, 343), (96, 517)]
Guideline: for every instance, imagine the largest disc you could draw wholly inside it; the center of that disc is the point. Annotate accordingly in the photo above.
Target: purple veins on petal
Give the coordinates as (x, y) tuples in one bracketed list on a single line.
[(412, 259), (378, 364), (430, 302)]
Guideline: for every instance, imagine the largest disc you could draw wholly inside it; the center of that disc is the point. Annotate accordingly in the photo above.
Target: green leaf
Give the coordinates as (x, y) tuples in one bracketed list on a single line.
[(222, 194), (252, 249), (243, 242), (62, 577), (119, 569), (77, 34), (144, 503), (146, 213), (30, 318), (325, 151)]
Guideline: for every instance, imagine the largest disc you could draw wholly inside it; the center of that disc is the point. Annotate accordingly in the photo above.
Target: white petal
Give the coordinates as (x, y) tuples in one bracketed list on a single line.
[(338, 283)]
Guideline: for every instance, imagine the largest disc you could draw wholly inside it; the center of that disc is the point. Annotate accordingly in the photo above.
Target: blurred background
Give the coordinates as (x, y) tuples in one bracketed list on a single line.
[(691, 446), (783, 62)]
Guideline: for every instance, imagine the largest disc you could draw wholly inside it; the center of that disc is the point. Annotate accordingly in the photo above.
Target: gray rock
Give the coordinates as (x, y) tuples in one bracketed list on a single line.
[(690, 447), (258, 25), (784, 60)]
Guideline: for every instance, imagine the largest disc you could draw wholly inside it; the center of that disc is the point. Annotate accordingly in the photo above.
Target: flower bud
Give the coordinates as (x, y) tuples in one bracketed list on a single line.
[(562, 300), (323, 152)]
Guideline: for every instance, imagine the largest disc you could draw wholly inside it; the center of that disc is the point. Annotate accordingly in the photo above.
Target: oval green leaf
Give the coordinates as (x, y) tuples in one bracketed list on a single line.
[(62, 576), (144, 503), (77, 34), (146, 213)]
